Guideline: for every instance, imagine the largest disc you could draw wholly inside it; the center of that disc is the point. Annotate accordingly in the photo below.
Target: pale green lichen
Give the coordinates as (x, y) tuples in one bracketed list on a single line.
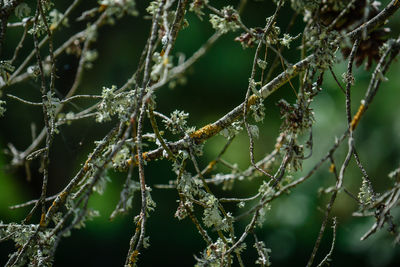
[(197, 7), (89, 57), (254, 131), (258, 110), (118, 8), (211, 257), (263, 254), (5, 69), (161, 63), (226, 23), (287, 39), (2, 108), (22, 10), (366, 194), (262, 64), (177, 121), (113, 103), (324, 45), (232, 130), (55, 18), (154, 6)]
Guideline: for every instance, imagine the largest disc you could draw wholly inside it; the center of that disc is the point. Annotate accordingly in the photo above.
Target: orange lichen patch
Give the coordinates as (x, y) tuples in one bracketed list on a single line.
[(133, 257), (252, 100), (205, 132), (211, 165), (135, 159), (209, 251), (165, 61), (138, 225), (61, 197), (144, 155), (86, 165), (42, 220), (278, 146), (357, 117), (102, 8), (279, 142), (332, 168)]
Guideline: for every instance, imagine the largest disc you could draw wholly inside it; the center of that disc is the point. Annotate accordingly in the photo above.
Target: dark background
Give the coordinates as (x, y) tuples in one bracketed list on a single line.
[(216, 84)]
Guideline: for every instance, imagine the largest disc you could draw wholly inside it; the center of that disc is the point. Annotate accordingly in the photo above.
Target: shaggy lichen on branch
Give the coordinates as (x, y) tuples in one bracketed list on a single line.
[(137, 133)]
